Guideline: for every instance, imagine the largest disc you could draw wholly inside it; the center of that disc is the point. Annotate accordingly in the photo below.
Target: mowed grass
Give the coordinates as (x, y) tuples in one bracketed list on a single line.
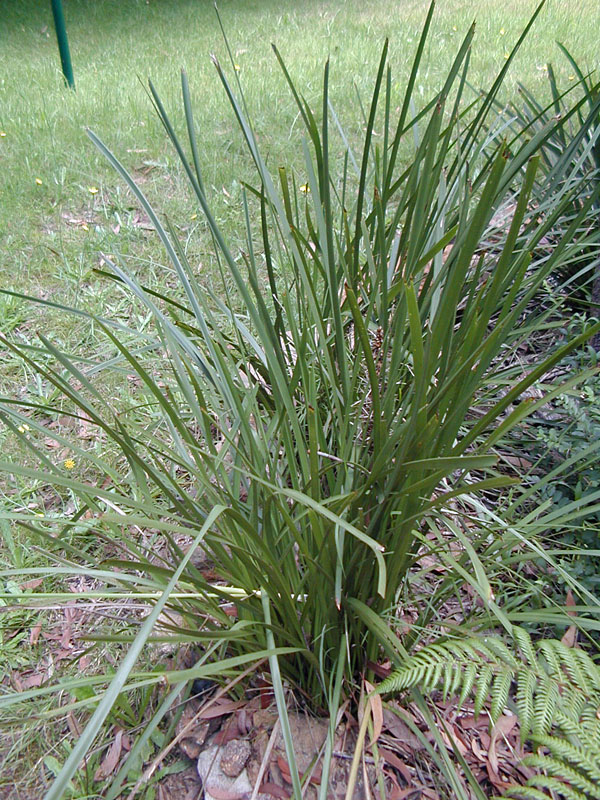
[(62, 207), (52, 227)]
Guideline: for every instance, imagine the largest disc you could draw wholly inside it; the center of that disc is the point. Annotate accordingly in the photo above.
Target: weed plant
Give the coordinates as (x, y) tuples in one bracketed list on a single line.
[(302, 418)]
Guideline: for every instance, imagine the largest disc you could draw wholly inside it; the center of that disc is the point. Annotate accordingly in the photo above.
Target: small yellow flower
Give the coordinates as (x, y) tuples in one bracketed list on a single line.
[(502, 31), (38, 181), (93, 189), (85, 227), (23, 428), (571, 77), (69, 463), (2, 133), (237, 67), (194, 216), (454, 28), (305, 189), (506, 55)]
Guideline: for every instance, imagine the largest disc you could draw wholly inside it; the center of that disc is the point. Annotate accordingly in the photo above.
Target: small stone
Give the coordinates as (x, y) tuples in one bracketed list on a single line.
[(217, 785), (234, 757)]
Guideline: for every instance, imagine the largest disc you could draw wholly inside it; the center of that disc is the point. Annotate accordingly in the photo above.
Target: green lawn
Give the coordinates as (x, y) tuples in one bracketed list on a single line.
[(52, 227)]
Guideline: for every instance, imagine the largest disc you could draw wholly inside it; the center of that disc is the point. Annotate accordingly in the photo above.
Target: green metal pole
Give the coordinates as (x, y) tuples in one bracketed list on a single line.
[(63, 42)]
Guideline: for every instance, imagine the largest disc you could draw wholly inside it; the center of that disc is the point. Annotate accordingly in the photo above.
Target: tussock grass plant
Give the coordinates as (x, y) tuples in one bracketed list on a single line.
[(298, 420)]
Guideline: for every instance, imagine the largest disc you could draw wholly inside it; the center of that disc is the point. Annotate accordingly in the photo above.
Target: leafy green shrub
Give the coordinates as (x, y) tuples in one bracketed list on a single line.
[(299, 420)]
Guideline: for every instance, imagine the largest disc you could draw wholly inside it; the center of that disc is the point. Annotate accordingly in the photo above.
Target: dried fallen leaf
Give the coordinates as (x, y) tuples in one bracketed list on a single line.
[(376, 707), (430, 793), (452, 740), (496, 779), (33, 584), (74, 725), (469, 721), (108, 765), (284, 769), (380, 670), (517, 461), (33, 681), (401, 794), (226, 734), (222, 708), (274, 790), (65, 639), (191, 731), (480, 754), (86, 429), (35, 634), (501, 729), (570, 636), (52, 637), (401, 731), (395, 761)]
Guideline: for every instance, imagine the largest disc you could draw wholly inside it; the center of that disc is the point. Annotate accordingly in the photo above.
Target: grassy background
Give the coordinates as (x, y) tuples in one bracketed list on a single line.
[(51, 233)]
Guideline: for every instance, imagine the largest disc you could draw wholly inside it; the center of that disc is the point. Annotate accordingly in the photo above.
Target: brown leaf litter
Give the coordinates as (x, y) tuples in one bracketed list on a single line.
[(239, 752)]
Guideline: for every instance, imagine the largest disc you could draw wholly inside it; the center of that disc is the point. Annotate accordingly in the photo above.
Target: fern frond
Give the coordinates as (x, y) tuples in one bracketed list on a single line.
[(523, 640), (483, 687), (526, 685), (573, 700), (546, 698), (557, 699), (555, 768), (557, 786), (451, 677), (576, 669), (496, 646), (468, 676), (525, 793), (500, 692), (590, 716), (550, 655), (547, 674), (569, 753), (570, 724), (583, 728), (576, 664)]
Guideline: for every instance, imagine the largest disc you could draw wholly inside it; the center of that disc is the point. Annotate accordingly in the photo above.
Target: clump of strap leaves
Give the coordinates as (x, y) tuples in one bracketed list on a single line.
[(299, 412), (554, 689)]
